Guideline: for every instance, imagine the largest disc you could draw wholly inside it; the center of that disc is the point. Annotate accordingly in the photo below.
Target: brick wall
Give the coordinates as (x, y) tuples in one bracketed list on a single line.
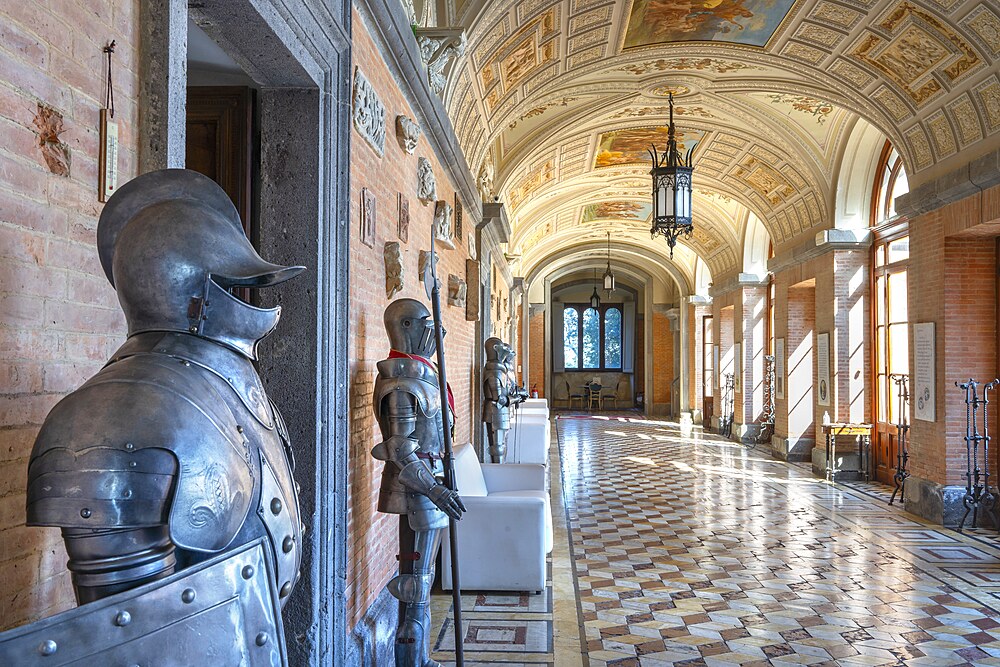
[(663, 362), (797, 409), (373, 535), (59, 318), (750, 313), (954, 289)]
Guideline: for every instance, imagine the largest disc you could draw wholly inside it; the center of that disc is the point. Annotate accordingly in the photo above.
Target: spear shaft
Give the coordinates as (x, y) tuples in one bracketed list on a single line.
[(449, 460)]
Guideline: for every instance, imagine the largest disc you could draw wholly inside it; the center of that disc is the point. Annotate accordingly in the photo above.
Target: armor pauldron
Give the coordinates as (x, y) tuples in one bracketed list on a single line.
[(411, 377)]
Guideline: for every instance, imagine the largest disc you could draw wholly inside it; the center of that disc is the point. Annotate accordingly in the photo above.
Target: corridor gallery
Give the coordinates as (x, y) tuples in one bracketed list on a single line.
[(499, 332)]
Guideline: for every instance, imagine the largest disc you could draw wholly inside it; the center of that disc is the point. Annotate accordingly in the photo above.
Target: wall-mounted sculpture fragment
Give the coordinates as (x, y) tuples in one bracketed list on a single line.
[(407, 132), (472, 295), (426, 183), (442, 224), (369, 113), (424, 269), (403, 224), (368, 217), (457, 289), (393, 258)]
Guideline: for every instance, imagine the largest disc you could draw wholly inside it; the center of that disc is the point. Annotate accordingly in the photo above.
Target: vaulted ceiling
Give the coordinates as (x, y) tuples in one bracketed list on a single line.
[(559, 100)]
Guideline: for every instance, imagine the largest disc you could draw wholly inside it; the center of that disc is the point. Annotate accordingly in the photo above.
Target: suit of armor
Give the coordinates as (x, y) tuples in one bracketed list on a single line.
[(407, 405), (496, 397), (173, 452)]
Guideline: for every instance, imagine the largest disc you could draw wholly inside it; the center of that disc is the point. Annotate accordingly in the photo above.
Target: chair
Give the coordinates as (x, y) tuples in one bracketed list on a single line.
[(506, 532), (623, 392), (529, 438), (595, 395), (574, 397)]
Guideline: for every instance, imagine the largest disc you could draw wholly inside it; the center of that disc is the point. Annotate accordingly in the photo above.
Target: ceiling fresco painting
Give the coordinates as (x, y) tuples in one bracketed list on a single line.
[(750, 22), (616, 210), (560, 101), (632, 146)]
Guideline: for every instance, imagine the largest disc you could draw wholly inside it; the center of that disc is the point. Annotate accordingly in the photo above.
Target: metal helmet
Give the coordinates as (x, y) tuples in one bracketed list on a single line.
[(497, 350), (172, 245), (410, 327)]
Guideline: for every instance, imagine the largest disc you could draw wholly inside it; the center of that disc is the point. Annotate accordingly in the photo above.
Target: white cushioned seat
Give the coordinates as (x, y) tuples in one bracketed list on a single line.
[(505, 534)]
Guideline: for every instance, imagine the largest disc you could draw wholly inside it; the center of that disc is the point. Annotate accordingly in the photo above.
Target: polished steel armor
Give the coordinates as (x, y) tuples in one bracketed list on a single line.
[(173, 452), (496, 397), (407, 405)]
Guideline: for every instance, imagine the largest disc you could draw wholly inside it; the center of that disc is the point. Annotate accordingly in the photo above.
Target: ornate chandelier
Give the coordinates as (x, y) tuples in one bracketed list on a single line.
[(671, 189)]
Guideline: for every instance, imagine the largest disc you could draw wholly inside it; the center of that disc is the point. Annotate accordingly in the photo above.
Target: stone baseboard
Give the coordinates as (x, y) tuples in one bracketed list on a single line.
[(849, 460), (792, 449), (941, 504), (372, 642)]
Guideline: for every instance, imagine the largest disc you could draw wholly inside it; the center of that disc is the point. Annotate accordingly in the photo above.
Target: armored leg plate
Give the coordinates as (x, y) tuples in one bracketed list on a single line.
[(222, 612)]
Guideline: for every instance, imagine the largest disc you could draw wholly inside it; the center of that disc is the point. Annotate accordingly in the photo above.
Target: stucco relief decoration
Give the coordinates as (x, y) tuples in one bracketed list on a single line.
[(443, 232), (765, 180), (403, 219), (920, 55), (426, 183), (749, 22), (438, 48), (407, 132), (532, 182), (368, 217), (369, 113), (485, 180), (457, 289), (714, 65), (810, 106), (393, 258), (459, 219)]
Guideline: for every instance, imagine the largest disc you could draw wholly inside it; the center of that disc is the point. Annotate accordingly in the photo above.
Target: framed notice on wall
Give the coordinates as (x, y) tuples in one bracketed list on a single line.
[(715, 366), (737, 368), (924, 361), (823, 388), (779, 368)]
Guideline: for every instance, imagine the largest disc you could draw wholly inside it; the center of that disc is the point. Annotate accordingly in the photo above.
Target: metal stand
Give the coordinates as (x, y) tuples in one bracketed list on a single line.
[(977, 480), (765, 428), (862, 433), (902, 427), (728, 406)]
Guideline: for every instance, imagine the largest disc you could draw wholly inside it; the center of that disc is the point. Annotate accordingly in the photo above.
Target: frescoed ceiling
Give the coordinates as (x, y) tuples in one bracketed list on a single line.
[(561, 99)]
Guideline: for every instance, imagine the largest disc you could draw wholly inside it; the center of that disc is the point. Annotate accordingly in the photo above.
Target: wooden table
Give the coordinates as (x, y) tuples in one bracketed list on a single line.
[(863, 436)]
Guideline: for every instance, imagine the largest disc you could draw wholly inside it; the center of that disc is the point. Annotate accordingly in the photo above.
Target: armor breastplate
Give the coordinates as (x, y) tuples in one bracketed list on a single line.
[(98, 459), (421, 382)]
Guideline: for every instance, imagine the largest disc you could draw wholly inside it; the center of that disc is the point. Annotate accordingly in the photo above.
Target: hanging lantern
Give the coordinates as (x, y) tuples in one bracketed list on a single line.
[(609, 278), (671, 189)]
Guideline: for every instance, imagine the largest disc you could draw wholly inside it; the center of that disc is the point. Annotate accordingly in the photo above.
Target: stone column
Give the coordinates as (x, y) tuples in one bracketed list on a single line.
[(750, 321), (162, 84)]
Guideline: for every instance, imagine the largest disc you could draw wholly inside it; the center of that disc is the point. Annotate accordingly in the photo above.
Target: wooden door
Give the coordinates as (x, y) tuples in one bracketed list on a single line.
[(219, 144)]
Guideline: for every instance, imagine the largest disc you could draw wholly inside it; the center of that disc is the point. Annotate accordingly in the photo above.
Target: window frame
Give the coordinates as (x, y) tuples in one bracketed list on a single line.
[(581, 308)]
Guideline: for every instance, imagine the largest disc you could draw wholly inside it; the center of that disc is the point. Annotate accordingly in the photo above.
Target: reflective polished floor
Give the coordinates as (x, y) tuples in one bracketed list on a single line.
[(683, 549), (693, 551)]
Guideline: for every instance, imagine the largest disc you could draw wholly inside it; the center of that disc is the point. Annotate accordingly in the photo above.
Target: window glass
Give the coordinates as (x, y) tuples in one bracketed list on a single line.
[(612, 338), (899, 187), (899, 249), (897, 297), (571, 338), (591, 338)]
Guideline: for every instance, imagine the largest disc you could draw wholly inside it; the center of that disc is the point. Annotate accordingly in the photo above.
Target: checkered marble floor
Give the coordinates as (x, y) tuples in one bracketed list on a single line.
[(688, 550)]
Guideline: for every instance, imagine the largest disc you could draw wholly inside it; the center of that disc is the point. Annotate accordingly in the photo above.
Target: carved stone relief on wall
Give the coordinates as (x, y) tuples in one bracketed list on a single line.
[(442, 224), (407, 132), (369, 112), (457, 290), (403, 221), (368, 217), (458, 219), (393, 257), (426, 183), (424, 269), (472, 297)]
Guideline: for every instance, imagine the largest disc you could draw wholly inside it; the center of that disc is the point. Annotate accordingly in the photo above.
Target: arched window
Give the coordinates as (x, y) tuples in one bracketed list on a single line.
[(612, 338), (571, 337), (890, 183), (591, 338), (595, 338)]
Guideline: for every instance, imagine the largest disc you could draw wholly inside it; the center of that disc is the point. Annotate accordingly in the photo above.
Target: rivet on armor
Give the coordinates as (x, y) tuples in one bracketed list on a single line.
[(287, 544), (85, 513), (48, 647), (275, 506), (131, 464), (239, 429), (129, 446), (187, 597), (247, 571), (123, 618), (127, 493), (261, 639), (286, 588)]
